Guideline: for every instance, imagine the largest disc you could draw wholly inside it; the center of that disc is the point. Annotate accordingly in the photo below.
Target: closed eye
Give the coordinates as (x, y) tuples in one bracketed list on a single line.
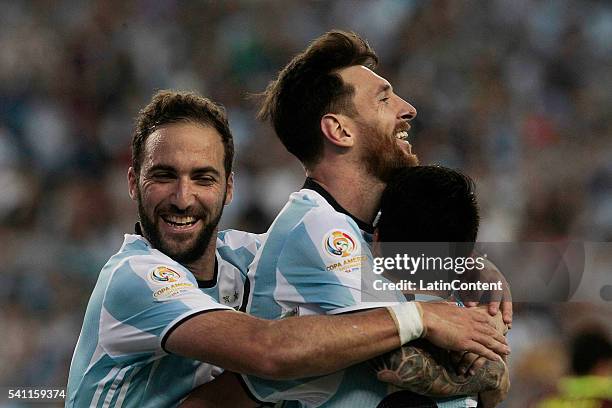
[(162, 176), (204, 180)]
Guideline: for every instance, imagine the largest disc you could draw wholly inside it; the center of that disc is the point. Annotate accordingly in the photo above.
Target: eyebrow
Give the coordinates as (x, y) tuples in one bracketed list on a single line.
[(158, 167), (165, 167)]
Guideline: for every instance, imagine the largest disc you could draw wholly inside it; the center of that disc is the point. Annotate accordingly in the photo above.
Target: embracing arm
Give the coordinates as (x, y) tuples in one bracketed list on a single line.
[(429, 372), (298, 347), (284, 349)]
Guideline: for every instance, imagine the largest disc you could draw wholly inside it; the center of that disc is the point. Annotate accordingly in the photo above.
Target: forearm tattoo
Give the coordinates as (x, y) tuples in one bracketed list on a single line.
[(427, 370)]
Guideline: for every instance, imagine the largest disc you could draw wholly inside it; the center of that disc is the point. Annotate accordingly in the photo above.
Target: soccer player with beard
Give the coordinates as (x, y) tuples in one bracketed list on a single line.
[(349, 130), (165, 301)]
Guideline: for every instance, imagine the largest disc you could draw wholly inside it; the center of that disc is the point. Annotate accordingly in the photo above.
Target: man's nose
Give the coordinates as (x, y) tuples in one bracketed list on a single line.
[(407, 111), (184, 195)]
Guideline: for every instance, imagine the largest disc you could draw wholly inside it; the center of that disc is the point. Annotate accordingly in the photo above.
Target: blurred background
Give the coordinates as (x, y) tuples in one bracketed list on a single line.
[(516, 93)]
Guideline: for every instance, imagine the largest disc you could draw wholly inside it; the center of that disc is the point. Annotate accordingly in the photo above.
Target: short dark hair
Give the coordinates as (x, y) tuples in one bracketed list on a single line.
[(588, 348), (430, 204), (309, 87), (168, 107)]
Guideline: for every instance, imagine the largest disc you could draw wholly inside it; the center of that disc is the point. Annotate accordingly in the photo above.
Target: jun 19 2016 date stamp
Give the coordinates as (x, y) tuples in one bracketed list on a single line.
[(34, 394)]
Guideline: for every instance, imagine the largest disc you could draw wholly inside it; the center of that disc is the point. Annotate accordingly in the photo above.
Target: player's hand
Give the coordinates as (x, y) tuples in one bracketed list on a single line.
[(462, 329), (467, 363), (497, 300)]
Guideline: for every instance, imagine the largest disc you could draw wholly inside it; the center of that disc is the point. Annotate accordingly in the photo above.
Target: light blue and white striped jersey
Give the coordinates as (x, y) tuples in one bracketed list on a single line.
[(312, 262), (140, 296)]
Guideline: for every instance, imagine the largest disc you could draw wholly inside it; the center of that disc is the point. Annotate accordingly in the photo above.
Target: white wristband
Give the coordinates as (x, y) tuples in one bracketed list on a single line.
[(408, 319)]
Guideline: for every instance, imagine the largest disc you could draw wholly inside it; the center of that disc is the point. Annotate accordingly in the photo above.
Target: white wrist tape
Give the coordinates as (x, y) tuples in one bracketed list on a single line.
[(408, 318)]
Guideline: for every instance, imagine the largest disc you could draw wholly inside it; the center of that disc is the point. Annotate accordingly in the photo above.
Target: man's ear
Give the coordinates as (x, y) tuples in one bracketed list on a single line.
[(132, 183), (336, 129), (229, 192)]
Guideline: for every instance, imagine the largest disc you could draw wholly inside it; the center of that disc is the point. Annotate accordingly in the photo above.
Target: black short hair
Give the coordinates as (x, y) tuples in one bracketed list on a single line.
[(168, 106), (588, 348), (309, 87), (430, 204)]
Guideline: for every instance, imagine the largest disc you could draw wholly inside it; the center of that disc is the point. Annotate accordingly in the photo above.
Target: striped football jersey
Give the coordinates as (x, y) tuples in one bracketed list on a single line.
[(315, 259), (140, 296)]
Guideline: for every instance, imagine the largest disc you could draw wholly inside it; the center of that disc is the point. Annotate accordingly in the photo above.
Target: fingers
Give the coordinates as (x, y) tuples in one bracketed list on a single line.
[(477, 365), (506, 309), (478, 348), (455, 357), (467, 362), (497, 336), (493, 308), (482, 316), (492, 339), (470, 304)]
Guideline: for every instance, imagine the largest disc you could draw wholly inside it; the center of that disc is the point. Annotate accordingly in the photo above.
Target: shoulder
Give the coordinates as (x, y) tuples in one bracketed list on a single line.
[(238, 248), (235, 239), (138, 265), (322, 223)]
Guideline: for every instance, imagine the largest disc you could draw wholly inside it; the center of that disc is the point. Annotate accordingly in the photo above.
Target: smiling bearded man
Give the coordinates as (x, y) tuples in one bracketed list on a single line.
[(184, 232)]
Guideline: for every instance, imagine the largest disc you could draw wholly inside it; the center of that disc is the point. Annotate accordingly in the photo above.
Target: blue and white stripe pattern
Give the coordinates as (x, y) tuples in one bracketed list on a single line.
[(305, 266), (141, 294)]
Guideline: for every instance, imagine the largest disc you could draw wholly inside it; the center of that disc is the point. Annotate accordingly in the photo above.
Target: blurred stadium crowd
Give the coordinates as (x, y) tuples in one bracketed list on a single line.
[(516, 93)]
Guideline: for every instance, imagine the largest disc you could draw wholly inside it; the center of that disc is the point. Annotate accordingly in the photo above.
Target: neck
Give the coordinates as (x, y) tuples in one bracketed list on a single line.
[(203, 268), (357, 192)]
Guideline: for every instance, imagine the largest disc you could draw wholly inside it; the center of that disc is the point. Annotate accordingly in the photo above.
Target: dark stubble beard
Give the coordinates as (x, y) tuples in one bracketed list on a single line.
[(382, 156), (186, 254)]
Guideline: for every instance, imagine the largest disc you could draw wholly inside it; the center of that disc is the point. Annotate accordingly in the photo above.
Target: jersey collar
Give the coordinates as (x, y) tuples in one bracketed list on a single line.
[(311, 184)]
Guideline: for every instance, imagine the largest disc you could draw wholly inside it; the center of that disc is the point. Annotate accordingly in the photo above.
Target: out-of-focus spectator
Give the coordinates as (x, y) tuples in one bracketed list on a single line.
[(590, 380)]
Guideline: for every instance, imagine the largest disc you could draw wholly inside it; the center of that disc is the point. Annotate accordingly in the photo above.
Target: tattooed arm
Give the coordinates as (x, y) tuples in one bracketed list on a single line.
[(427, 370)]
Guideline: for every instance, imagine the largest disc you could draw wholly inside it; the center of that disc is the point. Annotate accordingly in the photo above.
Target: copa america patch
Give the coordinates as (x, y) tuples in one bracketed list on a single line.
[(339, 243), (163, 275)]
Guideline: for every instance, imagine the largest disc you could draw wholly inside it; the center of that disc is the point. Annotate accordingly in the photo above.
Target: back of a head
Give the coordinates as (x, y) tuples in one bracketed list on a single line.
[(309, 87), (429, 204), (590, 348)]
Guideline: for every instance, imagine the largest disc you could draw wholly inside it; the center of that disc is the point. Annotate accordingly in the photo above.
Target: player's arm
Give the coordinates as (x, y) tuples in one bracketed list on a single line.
[(423, 371), (313, 345), (431, 371)]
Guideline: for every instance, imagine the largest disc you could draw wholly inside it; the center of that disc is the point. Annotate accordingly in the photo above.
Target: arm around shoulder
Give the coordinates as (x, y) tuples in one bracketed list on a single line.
[(284, 349)]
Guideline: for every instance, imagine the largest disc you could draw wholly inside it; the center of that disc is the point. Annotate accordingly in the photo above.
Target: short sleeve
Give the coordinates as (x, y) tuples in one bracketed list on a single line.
[(144, 300), (326, 266)]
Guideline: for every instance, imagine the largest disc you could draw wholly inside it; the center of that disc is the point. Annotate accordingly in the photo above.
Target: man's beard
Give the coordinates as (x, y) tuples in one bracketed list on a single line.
[(382, 155), (185, 254)]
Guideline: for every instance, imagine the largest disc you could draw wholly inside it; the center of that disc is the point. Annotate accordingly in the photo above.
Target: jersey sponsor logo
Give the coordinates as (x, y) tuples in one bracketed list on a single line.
[(339, 243), (163, 275)]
